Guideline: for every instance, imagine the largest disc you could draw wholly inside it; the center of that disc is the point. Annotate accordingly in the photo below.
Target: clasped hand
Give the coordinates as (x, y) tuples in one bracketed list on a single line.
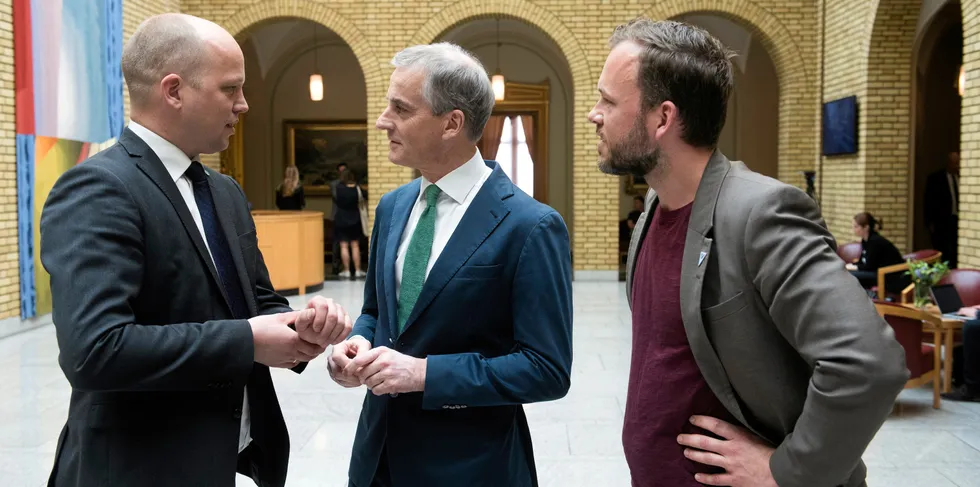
[(322, 323), (383, 370)]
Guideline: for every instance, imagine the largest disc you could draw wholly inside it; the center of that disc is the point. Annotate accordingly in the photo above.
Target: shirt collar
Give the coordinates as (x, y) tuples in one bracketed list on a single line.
[(458, 184), (174, 159)]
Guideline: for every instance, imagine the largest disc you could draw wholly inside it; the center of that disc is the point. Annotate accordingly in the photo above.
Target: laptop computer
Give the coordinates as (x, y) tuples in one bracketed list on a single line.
[(948, 301)]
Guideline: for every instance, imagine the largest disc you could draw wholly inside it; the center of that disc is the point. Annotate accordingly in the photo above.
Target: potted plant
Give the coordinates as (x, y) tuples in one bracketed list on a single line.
[(924, 276)]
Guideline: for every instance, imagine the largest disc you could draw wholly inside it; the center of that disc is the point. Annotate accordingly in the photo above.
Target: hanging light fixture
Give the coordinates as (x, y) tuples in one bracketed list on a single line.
[(961, 81), (316, 80), (497, 81)]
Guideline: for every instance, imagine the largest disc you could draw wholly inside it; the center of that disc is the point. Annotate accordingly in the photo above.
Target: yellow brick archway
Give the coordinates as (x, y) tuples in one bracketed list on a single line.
[(888, 101), (798, 107), (375, 79), (595, 218)]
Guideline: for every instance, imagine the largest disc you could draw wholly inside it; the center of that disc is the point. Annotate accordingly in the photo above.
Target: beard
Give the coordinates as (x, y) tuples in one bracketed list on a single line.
[(632, 156)]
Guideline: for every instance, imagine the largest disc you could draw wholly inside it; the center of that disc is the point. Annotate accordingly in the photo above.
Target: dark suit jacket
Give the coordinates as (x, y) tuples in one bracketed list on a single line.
[(156, 364), (494, 320), (784, 336), (937, 201)]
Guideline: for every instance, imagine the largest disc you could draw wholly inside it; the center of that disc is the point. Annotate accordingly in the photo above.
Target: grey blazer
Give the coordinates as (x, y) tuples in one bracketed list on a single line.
[(784, 336)]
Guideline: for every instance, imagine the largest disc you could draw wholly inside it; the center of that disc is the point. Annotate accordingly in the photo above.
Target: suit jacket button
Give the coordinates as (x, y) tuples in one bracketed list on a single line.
[(445, 407)]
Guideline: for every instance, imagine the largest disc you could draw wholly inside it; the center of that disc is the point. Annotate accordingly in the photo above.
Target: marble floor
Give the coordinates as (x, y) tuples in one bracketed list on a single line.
[(576, 439)]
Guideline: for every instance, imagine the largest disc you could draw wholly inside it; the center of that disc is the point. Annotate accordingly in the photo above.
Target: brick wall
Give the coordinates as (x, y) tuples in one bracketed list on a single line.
[(9, 261), (969, 237), (869, 54), (581, 29)]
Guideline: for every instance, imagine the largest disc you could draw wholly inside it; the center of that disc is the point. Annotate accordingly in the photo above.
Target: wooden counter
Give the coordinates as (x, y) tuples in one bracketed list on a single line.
[(291, 243)]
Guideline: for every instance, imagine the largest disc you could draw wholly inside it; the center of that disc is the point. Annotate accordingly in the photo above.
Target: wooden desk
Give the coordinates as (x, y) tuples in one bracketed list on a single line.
[(946, 333), (291, 243)]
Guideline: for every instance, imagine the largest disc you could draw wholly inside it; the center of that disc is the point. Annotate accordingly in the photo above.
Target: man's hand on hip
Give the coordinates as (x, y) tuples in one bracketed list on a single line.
[(744, 457)]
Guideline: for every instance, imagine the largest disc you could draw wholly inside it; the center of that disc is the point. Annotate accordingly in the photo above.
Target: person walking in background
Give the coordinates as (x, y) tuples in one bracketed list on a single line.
[(347, 230)]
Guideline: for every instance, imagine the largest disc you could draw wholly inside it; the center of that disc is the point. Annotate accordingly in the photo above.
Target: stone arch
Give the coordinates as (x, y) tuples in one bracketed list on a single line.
[(798, 143), (249, 17), (590, 249), (885, 117), (375, 79)]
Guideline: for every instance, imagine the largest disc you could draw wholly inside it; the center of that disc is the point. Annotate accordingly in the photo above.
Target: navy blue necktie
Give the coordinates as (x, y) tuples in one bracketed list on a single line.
[(220, 251)]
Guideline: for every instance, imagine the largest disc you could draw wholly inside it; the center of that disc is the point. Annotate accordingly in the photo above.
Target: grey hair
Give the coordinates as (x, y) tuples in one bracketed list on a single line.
[(161, 45), (454, 80)]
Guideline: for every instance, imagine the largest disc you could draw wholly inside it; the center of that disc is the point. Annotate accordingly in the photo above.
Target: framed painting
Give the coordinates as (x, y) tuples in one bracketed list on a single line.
[(318, 147), (636, 185)]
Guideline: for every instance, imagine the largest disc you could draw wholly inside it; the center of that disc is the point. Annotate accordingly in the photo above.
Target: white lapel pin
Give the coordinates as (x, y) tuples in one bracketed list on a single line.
[(701, 258)]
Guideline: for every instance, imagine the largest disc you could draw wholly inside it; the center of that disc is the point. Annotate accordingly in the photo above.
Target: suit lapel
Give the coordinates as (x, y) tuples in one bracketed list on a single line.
[(223, 203), (153, 167), (402, 209), (484, 214), (639, 232), (697, 256)]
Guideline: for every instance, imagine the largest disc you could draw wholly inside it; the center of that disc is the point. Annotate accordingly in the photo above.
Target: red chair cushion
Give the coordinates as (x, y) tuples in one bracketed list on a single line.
[(967, 284)]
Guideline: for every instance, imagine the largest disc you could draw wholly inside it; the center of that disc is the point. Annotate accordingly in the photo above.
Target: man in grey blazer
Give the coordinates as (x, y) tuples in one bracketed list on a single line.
[(757, 359)]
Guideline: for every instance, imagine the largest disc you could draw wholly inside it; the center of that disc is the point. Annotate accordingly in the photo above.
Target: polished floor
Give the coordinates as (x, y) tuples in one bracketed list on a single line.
[(576, 439)]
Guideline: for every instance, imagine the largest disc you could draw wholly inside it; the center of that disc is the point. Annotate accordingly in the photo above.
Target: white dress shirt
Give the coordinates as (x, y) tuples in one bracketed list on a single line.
[(954, 186), (177, 163), (459, 188)]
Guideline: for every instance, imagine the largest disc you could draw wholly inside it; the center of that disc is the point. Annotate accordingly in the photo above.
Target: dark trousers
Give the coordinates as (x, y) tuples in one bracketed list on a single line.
[(966, 359), (944, 239), (383, 477)]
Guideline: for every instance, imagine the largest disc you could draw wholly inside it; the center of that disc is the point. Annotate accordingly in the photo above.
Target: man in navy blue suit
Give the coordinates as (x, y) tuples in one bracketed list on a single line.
[(467, 303)]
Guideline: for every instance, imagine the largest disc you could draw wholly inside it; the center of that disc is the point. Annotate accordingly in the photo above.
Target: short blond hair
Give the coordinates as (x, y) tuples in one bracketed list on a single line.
[(162, 45)]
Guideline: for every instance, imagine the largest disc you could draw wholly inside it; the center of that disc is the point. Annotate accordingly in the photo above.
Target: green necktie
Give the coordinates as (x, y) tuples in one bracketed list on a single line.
[(417, 257)]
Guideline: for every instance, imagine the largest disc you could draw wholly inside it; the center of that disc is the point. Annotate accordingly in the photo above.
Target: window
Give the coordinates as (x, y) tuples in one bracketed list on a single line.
[(513, 155)]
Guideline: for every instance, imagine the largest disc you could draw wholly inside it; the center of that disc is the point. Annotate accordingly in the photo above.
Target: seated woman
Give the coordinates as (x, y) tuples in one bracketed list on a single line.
[(876, 252)]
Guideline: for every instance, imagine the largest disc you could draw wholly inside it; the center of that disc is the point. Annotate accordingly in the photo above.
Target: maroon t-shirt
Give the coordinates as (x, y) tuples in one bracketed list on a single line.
[(665, 387)]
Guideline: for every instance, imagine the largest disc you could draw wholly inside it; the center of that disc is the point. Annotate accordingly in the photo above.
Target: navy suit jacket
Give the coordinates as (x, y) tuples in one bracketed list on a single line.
[(494, 320)]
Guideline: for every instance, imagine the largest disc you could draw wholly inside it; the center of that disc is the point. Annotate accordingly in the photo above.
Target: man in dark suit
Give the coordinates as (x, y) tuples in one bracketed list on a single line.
[(757, 359), (467, 304), (166, 320), (941, 207)]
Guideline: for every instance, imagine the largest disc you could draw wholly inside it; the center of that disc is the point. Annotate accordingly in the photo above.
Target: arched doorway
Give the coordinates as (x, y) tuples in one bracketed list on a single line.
[(285, 126), (937, 63), (751, 131), (594, 252), (530, 131)]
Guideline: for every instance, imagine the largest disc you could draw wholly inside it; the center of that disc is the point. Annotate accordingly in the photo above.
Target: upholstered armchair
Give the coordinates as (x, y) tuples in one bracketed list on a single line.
[(911, 326)]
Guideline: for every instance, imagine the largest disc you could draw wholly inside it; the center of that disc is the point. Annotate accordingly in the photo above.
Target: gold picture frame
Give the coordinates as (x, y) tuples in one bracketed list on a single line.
[(636, 186), (316, 148)]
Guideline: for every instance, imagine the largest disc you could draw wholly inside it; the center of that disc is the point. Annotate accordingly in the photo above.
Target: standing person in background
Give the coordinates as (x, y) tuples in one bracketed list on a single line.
[(289, 194), (347, 224)]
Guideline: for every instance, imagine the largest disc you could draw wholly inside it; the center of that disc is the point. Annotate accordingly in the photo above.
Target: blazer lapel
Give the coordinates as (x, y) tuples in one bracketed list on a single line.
[(484, 214), (402, 209), (636, 239), (152, 166), (697, 255), (223, 203)]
